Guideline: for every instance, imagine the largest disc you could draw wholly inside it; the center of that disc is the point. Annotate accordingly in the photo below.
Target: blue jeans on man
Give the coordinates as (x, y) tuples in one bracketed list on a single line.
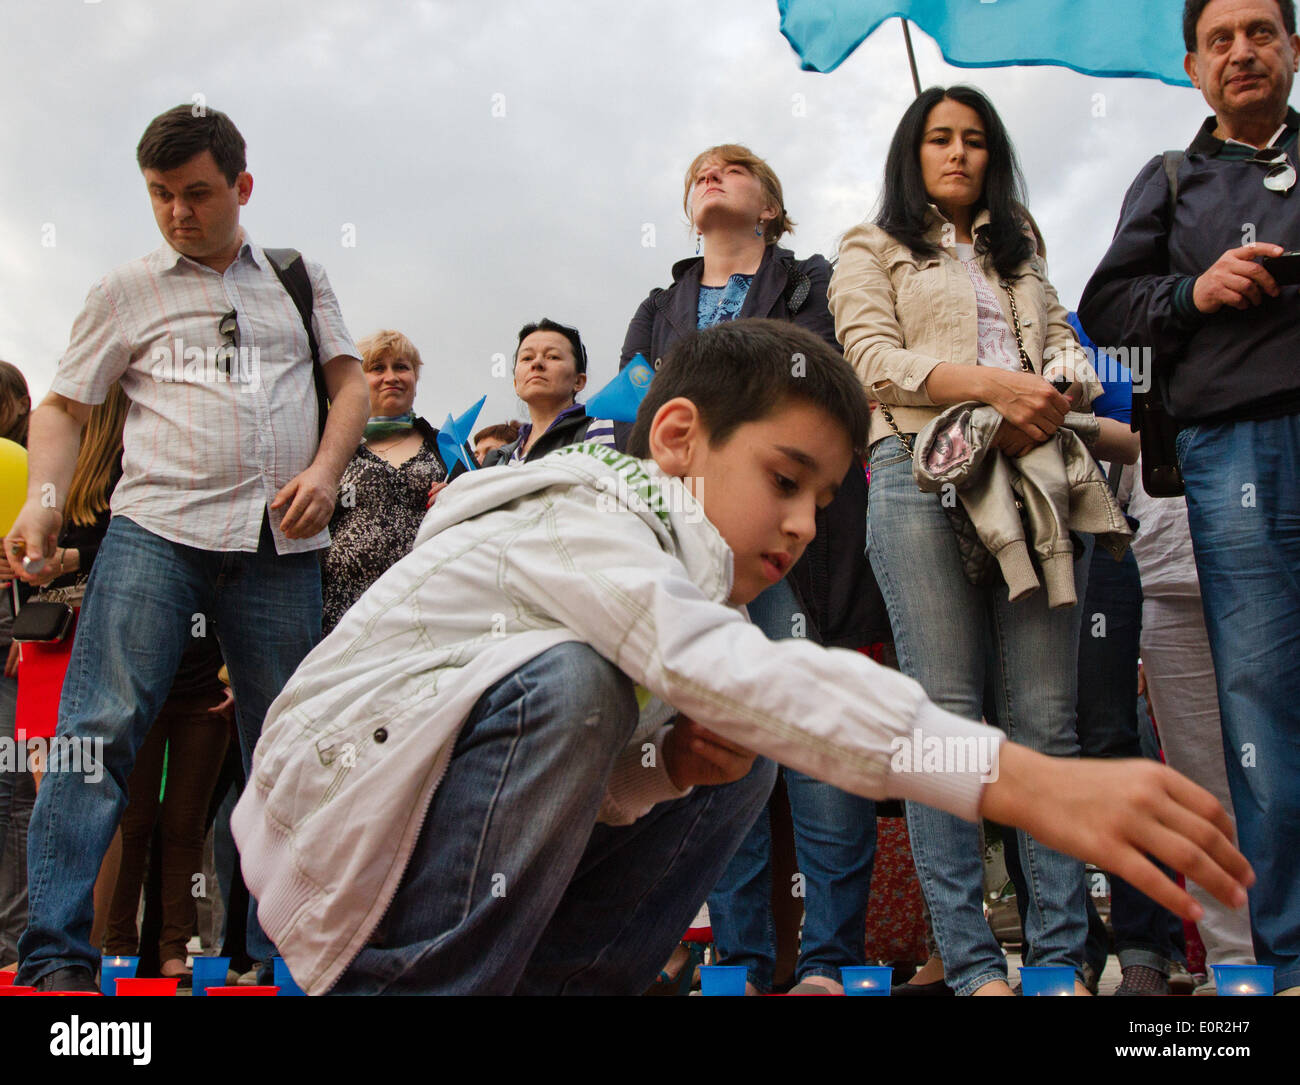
[(512, 887), (1243, 505), (144, 597)]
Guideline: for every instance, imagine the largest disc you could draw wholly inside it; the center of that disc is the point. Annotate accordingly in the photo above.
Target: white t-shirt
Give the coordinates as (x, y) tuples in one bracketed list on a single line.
[(997, 341)]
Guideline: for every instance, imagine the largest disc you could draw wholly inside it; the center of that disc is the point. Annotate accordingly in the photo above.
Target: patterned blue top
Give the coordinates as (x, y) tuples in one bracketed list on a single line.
[(719, 304)]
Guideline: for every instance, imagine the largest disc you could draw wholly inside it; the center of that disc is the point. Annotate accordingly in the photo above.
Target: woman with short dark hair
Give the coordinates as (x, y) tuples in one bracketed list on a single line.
[(550, 371)]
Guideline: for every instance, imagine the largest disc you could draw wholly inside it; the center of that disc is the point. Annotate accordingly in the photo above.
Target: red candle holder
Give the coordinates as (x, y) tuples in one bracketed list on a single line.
[(156, 986), (238, 991)]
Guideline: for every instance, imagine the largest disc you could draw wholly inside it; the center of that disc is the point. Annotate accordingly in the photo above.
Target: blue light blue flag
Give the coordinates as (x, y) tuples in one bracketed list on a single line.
[(1141, 38), (620, 398), (454, 436)]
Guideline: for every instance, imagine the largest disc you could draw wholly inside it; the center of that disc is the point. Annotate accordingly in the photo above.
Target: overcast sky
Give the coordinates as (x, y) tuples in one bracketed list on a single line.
[(496, 160)]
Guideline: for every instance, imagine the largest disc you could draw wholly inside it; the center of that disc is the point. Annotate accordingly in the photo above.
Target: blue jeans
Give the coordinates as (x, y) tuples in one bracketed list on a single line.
[(1109, 638), (512, 887), (1243, 505), (952, 637), (144, 597), (835, 846)]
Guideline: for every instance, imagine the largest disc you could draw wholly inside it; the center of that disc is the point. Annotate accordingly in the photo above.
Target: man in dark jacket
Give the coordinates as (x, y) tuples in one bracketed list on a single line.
[(1187, 282)]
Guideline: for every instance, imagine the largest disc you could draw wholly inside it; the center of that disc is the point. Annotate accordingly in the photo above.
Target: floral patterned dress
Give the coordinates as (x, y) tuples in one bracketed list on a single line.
[(375, 521)]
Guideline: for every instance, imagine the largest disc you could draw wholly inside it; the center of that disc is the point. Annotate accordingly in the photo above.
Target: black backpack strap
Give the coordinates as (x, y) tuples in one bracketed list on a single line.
[(1161, 476), (1172, 160), (292, 272)]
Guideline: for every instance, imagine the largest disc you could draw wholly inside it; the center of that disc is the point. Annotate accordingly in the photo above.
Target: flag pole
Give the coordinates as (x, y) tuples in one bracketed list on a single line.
[(911, 56)]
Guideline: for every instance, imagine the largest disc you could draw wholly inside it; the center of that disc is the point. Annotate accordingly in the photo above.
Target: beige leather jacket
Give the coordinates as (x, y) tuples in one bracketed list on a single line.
[(898, 316)]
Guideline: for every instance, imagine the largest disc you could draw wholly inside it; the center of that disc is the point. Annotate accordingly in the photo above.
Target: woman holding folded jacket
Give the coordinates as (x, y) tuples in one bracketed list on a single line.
[(943, 299)]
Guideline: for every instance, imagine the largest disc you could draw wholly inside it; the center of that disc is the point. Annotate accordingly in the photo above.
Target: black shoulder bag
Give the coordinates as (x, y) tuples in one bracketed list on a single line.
[(292, 273), (1156, 430)]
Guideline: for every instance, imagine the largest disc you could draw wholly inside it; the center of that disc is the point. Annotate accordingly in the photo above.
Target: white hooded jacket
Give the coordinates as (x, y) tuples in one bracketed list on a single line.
[(586, 544)]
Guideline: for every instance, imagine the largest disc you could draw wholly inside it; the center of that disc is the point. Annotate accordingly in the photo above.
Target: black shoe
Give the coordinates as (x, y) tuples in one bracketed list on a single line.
[(1092, 977), (72, 978), (937, 989)]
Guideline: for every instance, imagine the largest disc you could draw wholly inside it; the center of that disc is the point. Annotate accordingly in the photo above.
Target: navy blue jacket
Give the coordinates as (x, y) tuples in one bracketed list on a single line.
[(1227, 366), (783, 289)]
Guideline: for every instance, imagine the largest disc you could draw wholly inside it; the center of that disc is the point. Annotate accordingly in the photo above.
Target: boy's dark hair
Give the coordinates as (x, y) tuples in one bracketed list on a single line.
[(571, 334), (744, 370), (174, 137), (1193, 9)]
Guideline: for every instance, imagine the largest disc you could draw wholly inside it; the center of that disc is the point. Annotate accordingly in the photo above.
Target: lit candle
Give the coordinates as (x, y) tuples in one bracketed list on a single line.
[(1243, 979), (866, 980), (112, 969), (1041, 980)]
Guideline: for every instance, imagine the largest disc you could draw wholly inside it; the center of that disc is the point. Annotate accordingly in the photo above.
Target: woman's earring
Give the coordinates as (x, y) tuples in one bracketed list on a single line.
[(699, 240), (759, 230)]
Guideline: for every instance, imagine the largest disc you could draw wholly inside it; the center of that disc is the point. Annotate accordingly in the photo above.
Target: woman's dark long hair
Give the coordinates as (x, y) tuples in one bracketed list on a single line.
[(904, 201)]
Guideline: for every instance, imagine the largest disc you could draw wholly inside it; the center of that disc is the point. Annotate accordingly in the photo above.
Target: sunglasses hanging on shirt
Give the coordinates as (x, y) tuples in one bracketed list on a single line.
[(1281, 174), (229, 331)]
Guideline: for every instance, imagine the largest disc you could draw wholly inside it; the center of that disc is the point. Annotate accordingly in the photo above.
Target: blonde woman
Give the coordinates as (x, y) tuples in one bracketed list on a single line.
[(388, 484), (736, 209)]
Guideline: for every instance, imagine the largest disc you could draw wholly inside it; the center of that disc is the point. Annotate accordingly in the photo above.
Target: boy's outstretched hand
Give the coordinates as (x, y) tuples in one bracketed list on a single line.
[(695, 756), (1115, 813)]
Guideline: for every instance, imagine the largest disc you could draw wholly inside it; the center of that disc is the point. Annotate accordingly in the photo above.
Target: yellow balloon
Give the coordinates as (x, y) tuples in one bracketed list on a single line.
[(13, 482)]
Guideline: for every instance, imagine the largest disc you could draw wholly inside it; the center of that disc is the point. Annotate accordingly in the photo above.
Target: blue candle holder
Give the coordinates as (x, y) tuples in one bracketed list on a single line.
[(209, 972), (283, 980), (1243, 979), (1047, 980), (867, 979), (111, 969), (723, 979)]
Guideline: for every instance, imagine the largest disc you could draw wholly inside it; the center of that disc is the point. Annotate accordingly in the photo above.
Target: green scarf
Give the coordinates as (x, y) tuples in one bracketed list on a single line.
[(381, 426)]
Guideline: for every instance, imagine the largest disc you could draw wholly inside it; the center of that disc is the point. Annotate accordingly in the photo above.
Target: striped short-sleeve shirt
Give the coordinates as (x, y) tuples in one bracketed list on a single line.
[(213, 430)]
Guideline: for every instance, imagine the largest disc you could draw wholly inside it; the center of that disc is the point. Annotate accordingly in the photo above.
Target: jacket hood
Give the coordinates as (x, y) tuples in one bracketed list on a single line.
[(640, 486)]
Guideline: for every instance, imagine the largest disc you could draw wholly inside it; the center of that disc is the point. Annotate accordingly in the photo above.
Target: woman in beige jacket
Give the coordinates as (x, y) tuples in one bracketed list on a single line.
[(943, 299)]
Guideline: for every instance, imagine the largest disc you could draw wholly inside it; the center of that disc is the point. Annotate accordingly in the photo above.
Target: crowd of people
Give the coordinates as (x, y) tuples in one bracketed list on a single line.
[(506, 730)]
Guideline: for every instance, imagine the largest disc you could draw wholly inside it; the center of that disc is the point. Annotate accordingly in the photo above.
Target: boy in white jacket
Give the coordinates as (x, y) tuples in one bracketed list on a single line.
[(423, 813)]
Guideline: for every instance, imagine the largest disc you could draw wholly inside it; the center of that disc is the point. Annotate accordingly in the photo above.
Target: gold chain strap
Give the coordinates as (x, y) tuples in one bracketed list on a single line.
[(1025, 364)]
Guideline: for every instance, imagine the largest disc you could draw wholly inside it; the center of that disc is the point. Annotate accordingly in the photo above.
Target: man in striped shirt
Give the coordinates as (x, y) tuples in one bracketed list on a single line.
[(228, 485)]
